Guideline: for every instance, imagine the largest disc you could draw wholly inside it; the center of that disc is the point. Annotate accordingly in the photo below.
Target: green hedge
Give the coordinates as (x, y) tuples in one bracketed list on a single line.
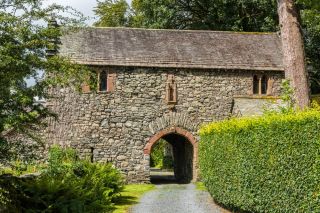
[(264, 164)]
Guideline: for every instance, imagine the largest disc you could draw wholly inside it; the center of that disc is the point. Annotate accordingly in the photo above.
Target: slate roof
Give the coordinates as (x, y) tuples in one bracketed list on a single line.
[(174, 48)]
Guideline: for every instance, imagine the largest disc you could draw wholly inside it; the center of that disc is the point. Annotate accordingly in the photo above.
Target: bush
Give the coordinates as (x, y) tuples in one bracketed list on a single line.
[(264, 164), (316, 98), (67, 185), (158, 158)]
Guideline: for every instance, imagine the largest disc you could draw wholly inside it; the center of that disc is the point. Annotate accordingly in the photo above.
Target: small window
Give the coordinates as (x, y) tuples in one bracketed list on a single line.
[(91, 154), (103, 81), (261, 85), (255, 85), (264, 85)]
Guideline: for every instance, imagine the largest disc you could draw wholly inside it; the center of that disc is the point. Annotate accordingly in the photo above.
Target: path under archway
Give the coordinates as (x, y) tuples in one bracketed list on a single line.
[(185, 149)]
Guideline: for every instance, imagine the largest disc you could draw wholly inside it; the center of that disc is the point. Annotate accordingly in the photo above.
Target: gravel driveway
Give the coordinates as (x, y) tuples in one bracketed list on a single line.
[(176, 198)]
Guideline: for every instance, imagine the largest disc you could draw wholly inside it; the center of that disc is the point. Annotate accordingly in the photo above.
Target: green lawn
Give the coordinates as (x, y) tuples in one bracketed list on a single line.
[(130, 196), (200, 186)]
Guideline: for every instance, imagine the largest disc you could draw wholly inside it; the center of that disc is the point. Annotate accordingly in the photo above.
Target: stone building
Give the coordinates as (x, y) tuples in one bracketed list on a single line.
[(157, 84)]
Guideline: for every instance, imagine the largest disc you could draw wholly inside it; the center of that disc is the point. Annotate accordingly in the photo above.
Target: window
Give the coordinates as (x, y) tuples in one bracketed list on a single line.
[(262, 85), (107, 81), (91, 154), (255, 85), (103, 81)]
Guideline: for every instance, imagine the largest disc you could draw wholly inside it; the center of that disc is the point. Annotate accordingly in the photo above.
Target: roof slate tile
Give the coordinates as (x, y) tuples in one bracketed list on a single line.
[(174, 48)]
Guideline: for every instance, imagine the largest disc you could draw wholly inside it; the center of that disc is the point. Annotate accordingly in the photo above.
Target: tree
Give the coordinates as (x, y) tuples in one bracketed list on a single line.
[(293, 52), (310, 3), (156, 14), (311, 28), (24, 40), (244, 15), (112, 13)]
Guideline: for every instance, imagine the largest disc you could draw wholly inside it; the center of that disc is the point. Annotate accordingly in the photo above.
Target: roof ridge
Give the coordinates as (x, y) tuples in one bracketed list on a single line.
[(184, 30)]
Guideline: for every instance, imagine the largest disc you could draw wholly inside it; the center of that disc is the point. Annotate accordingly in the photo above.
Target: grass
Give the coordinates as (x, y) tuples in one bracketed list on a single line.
[(200, 186), (130, 196)]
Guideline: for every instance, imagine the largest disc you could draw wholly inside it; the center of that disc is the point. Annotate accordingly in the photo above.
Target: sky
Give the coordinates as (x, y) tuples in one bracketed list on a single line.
[(84, 6)]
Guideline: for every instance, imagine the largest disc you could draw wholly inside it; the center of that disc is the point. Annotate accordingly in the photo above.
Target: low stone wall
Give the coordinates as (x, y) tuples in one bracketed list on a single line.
[(253, 106), (23, 148)]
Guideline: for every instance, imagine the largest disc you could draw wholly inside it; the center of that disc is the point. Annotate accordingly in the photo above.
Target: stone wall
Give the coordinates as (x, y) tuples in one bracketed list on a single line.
[(116, 126), (249, 106), (23, 148)]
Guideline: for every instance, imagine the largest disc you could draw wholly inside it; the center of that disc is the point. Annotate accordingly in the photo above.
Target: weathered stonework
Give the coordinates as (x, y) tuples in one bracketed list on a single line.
[(23, 148), (250, 105), (160, 84), (118, 126)]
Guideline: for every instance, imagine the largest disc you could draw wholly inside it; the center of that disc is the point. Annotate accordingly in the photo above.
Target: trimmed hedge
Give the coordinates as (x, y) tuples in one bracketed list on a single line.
[(263, 164)]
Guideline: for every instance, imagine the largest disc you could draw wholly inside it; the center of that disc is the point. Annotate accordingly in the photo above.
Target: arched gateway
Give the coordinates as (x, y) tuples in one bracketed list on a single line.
[(185, 151)]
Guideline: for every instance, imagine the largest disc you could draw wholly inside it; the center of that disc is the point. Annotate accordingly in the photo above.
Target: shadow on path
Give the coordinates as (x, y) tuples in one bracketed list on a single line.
[(158, 176)]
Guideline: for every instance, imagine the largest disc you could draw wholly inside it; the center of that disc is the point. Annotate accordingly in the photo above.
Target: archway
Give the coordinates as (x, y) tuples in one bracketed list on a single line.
[(184, 149)]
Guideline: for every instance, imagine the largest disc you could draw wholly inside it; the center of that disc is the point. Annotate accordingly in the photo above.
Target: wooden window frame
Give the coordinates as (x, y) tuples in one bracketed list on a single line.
[(85, 86), (110, 81)]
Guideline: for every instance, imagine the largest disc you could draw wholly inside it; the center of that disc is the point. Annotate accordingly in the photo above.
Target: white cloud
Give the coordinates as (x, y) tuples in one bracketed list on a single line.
[(84, 6)]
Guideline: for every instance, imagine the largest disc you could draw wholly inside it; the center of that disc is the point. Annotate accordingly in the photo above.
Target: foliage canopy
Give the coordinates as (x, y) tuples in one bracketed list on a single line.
[(24, 42)]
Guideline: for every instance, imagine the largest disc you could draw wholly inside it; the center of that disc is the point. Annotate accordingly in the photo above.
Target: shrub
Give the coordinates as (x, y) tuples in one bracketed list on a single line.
[(316, 98), (21, 168), (67, 185), (264, 164), (158, 158)]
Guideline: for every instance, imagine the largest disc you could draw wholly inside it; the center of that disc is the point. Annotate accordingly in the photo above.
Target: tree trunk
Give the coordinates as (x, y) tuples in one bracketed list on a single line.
[(293, 52)]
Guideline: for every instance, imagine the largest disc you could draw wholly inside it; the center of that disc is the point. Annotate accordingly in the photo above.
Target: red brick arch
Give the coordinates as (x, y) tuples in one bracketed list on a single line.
[(182, 132), (176, 130)]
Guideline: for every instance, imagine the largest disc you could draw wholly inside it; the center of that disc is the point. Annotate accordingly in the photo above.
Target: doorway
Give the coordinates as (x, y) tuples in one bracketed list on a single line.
[(172, 159)]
